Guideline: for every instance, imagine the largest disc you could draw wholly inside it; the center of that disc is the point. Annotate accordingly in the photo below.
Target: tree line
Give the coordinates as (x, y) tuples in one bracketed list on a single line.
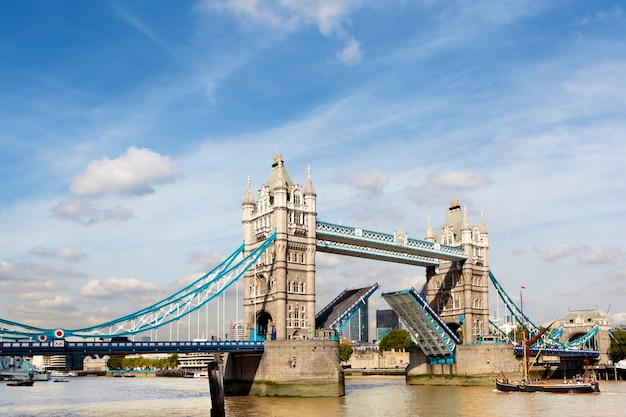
[(119, 363)]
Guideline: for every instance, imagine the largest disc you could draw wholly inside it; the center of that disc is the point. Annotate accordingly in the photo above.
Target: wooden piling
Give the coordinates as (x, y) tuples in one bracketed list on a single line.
[(216, 388)]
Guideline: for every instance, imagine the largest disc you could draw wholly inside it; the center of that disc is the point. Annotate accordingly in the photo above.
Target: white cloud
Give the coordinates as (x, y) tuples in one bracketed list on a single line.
[(585, 254), (352, 53), (370, 183), (134, 173), (329, 16), (55, 270), (442, 186), (119, 287), (55, 310), (86, 213), (10, 272), (66, 254)]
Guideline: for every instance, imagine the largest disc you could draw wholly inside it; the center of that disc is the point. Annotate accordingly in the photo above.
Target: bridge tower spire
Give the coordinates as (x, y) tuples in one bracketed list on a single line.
[(458, 291), (279, 299)]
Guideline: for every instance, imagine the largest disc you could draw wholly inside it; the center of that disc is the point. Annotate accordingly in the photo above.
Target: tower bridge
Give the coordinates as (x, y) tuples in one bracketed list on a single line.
[(449, 320)]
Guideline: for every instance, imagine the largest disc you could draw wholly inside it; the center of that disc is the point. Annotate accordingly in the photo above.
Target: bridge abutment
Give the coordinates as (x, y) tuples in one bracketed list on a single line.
[(477, 364), (299, 368)]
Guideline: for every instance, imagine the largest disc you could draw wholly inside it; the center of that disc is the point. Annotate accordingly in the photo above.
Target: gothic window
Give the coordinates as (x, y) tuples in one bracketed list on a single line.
[(296, 317), (289, 316), (457, 301), (447, 237), (476, 236), (288, 286), (261, 285)]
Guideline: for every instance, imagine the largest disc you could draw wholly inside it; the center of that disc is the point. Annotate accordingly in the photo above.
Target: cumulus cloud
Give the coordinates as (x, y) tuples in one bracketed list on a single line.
[(370, 183), (66, 254), (39, 311), (617, 319), (54, 270), (438, 187), (119, 288), (607, 255), (86, 213), (584, 254), (134, 173), (10, 272), (559, 252)]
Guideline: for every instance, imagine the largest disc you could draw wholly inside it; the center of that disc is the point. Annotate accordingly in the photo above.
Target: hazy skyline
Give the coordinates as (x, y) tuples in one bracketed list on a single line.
[(129, 130)]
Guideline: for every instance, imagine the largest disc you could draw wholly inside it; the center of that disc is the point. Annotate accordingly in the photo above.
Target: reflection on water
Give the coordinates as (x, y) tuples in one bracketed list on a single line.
[(365, 396)]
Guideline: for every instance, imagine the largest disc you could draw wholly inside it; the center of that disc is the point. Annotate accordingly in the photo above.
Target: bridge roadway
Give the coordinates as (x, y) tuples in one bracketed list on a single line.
[(64, 347)]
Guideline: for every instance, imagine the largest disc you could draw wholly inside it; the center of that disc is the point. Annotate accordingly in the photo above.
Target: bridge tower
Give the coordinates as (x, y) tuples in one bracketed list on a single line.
[(458, 291), (279, 293)]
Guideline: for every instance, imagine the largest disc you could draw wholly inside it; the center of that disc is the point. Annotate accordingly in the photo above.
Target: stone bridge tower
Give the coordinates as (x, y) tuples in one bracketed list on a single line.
[(279, 293), (458, 291)]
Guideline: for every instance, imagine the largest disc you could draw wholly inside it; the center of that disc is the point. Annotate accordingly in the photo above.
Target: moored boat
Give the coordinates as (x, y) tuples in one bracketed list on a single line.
[(21, 383), (581, 385)]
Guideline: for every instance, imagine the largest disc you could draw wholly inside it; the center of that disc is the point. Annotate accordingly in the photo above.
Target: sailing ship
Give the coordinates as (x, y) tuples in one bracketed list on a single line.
[(580, 385)]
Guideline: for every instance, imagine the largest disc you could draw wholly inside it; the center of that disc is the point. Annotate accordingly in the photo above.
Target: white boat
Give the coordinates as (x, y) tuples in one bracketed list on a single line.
[(60, 374)]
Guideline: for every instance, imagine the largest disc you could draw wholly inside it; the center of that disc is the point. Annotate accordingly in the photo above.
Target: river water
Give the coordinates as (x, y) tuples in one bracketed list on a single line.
[(365, 396)]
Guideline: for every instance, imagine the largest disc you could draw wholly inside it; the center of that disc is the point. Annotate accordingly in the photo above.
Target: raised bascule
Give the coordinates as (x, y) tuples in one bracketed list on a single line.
[(291, 350)]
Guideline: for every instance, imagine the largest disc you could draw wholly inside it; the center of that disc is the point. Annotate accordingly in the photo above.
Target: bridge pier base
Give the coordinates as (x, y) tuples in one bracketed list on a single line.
[(290, 368), (475, 365)]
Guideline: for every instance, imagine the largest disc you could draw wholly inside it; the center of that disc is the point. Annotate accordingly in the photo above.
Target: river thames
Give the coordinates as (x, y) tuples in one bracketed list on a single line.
[(365, 396)]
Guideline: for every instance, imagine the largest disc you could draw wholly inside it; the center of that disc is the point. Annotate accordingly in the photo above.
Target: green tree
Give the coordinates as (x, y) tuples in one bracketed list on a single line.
[(114, 362), (397, 339), (617, 351), (345, 351)]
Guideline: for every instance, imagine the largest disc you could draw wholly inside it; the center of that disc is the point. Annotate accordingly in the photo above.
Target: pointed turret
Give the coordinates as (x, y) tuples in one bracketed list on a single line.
[(308, 188), (466, 230), (248, 198), (278, 167), (430, 236), (483, 228)]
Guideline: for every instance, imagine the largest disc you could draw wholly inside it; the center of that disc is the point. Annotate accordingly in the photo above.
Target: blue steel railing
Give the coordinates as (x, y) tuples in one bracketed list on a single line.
[(436, 250), (63, 347)]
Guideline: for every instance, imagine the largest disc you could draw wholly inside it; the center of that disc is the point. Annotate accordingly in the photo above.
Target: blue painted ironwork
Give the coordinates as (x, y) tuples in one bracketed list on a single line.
[(528, 326), (550, 339), (562, 352), (178, 305), (432, 335), (344, 318), (344, 240), (64, 347)]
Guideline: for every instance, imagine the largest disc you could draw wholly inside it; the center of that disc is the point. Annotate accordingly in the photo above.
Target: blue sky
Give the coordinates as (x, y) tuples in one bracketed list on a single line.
[(129, 129)]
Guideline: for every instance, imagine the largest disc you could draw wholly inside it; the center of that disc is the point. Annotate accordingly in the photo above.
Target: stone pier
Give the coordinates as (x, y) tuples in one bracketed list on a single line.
[(475, 365), (291, 368)]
